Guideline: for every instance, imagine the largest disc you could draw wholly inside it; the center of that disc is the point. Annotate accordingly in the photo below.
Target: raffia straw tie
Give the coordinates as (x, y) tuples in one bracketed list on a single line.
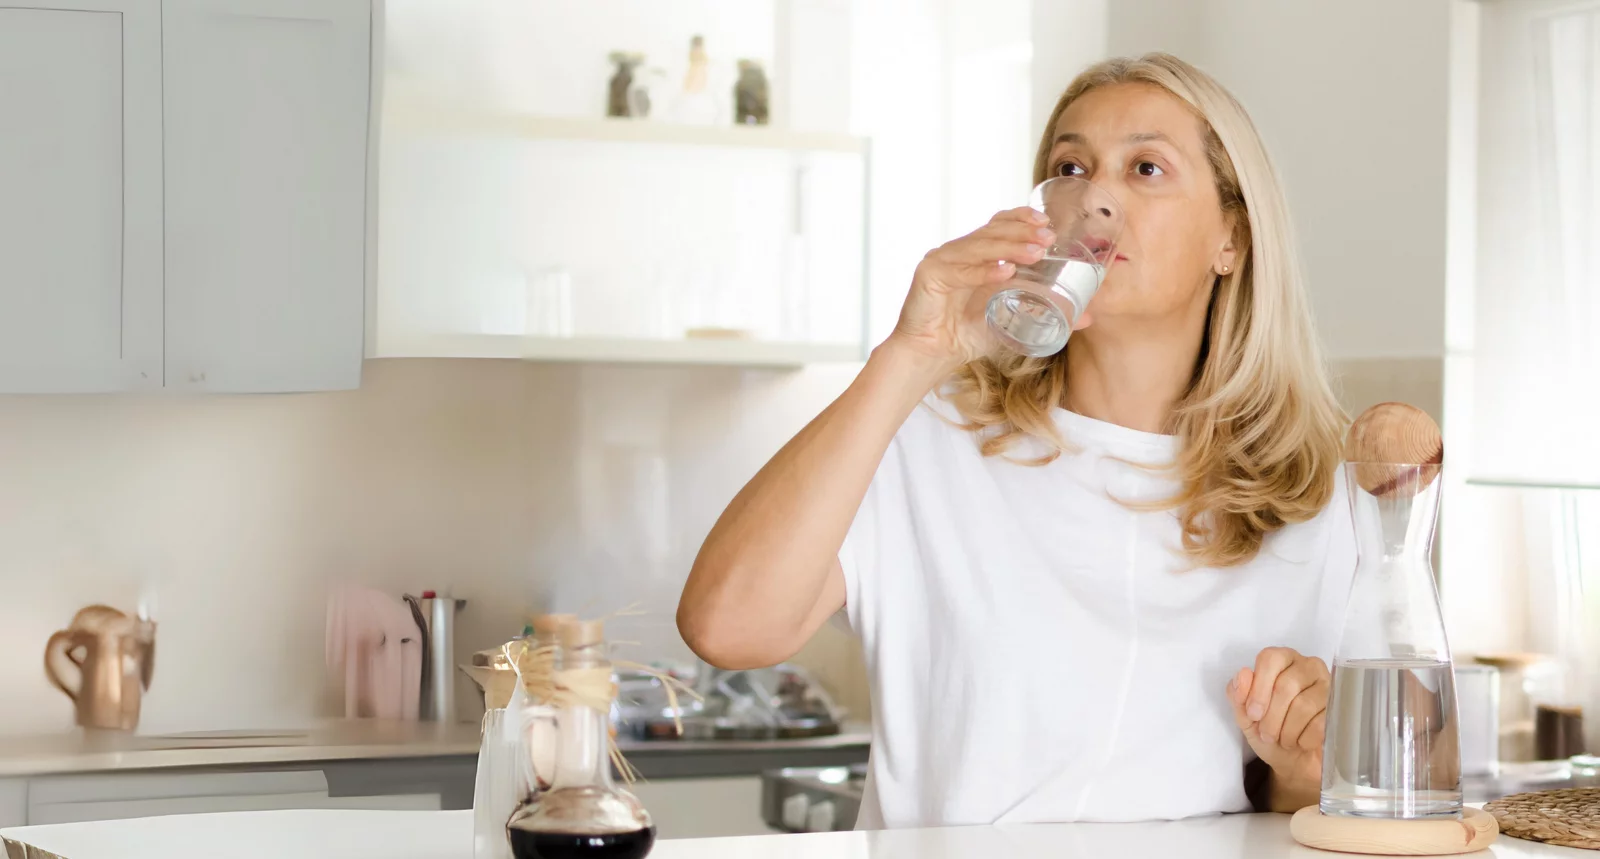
[(594, 688)]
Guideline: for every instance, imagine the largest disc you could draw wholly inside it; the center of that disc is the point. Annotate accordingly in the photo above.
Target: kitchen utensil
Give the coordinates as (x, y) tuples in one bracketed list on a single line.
[(439, 695), (103, 661), (1391, 761), (1035, 313), (514, 747), (1567, 818), (1393, 746), (1523, 679), (1478, 693), (583, 811), (1557, 732)]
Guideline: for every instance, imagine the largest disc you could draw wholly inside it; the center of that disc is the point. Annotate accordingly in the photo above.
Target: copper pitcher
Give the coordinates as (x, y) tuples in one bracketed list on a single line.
[(103, 661)]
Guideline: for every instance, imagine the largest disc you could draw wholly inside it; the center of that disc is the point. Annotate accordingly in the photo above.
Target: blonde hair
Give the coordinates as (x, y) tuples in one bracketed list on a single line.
[(1259, 425)]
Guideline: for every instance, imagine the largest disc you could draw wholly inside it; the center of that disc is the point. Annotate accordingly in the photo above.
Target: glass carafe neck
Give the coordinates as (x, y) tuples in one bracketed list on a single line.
[(584, 759)]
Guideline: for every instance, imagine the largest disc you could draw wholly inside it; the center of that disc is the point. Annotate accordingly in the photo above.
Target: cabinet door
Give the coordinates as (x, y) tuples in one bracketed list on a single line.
[(267, 106), (80, 195)]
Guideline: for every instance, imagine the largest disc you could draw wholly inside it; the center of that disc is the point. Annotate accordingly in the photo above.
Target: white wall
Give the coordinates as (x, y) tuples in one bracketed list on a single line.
[(1351, 97)]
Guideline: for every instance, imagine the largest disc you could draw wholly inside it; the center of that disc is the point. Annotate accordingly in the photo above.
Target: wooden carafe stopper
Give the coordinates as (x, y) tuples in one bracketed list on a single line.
[(1395, 448), (546, 627), (582, 633)]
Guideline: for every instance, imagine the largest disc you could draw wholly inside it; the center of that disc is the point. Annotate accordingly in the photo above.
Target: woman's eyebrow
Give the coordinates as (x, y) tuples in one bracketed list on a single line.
[(1136, 137)]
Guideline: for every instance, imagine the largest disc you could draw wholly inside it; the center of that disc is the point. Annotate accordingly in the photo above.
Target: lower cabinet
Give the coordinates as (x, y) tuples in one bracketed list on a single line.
[(396, 785), (75, 799), (704, 807)]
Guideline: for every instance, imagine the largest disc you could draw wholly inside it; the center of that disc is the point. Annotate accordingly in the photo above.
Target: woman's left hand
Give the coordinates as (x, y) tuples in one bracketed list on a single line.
[(1281, 706)]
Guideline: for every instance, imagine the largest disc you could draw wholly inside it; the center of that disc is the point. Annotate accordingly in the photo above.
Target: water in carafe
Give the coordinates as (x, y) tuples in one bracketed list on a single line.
[(1392, 748)]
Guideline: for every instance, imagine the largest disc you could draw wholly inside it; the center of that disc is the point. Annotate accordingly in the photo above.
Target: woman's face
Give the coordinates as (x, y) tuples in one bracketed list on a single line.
[(1146, 147)]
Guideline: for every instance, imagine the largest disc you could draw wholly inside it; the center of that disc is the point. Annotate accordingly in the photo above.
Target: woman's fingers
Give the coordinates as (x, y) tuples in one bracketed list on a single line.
[(1021, 214), (1311, 738), (1238, 694), (1296, 680), (1306, 707), (1013, 242), (983, 252), (1269, 664), (999, 273)]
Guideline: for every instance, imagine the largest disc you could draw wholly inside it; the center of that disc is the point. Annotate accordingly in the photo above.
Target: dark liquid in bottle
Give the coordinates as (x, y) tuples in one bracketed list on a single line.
[(569, 845)]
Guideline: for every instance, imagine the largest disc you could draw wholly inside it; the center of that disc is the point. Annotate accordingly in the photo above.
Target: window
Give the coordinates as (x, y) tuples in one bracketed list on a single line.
[(1523, 373)]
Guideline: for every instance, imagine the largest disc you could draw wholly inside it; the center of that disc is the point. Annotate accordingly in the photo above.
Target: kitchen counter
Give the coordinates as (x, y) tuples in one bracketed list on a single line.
[(448, 835), (362, 739)]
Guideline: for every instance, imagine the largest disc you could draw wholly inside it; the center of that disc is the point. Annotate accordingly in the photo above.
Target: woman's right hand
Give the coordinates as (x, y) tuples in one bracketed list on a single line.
[(943, 316)]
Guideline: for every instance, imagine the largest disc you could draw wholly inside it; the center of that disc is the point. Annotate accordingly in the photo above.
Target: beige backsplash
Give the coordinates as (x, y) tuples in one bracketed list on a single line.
[(518, 486)]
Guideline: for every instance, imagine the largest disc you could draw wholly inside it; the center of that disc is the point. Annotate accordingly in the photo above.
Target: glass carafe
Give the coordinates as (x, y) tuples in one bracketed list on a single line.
[(1392, 746), (583, 813)]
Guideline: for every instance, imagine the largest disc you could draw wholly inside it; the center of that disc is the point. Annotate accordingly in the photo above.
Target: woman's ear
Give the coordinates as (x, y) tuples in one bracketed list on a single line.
[(1226, 261)]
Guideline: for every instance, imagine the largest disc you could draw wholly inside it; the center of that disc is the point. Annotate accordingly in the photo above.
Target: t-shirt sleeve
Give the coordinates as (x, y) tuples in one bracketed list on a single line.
[(881, 522)]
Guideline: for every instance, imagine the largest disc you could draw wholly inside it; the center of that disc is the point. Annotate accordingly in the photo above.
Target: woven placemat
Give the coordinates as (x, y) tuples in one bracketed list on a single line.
[(1569, 817), (17, 850)]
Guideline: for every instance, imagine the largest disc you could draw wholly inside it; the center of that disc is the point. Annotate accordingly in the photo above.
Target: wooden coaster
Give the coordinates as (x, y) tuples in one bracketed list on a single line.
[(1569, 817), (1474, 831)]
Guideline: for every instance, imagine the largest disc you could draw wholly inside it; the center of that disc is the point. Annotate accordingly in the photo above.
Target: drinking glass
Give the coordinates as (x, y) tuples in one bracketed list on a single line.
[(1035, 313)]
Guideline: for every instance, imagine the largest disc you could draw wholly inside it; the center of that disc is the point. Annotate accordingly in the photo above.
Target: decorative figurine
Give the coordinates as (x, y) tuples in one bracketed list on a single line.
[(694, 104), (750, 99), (699, 67), (621, 100)]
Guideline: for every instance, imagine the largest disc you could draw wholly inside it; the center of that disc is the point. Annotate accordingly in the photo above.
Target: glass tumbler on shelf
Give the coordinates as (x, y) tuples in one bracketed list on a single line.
[(1034, 314), (1392, 747), (549, 303)]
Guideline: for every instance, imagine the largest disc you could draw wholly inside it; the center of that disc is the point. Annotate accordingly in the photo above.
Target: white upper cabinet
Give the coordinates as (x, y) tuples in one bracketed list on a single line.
[(266, 188), (183, 194), (80, 195)]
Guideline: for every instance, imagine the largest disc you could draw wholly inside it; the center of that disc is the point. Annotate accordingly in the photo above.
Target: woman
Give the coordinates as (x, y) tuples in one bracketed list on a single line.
[(1093, 586)]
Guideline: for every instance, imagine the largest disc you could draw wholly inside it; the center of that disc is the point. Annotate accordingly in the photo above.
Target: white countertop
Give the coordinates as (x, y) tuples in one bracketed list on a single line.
[(448, 835), (339, 739), (331, 740)]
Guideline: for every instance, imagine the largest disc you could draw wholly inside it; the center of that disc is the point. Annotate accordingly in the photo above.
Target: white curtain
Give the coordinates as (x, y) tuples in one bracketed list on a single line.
[(1536, 351)]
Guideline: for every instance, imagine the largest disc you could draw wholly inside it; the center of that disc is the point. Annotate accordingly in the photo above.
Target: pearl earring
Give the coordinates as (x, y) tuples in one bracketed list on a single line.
[(1225, 269)]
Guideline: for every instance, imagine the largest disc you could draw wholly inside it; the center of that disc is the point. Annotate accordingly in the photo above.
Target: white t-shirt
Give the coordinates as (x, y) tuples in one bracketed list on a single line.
[(1038, 651)]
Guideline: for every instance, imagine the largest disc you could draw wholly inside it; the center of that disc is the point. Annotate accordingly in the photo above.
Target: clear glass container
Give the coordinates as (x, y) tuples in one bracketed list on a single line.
[(583, 813), (1393, 747), (1034, 314)]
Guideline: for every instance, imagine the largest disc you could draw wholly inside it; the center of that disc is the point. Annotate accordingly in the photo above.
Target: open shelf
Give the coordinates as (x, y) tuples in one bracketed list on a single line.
[(405, 114), (730, 352)]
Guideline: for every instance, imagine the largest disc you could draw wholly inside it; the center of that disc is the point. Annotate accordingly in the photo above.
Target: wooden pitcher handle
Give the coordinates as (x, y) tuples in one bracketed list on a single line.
[(60, 647)]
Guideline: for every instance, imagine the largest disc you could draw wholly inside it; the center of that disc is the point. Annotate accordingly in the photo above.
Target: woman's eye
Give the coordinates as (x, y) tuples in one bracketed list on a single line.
[(1067, 168), (1146, 168)]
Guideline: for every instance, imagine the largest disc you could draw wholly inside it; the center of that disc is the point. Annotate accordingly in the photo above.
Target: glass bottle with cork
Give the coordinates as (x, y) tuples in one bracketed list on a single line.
[(583, 813)]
